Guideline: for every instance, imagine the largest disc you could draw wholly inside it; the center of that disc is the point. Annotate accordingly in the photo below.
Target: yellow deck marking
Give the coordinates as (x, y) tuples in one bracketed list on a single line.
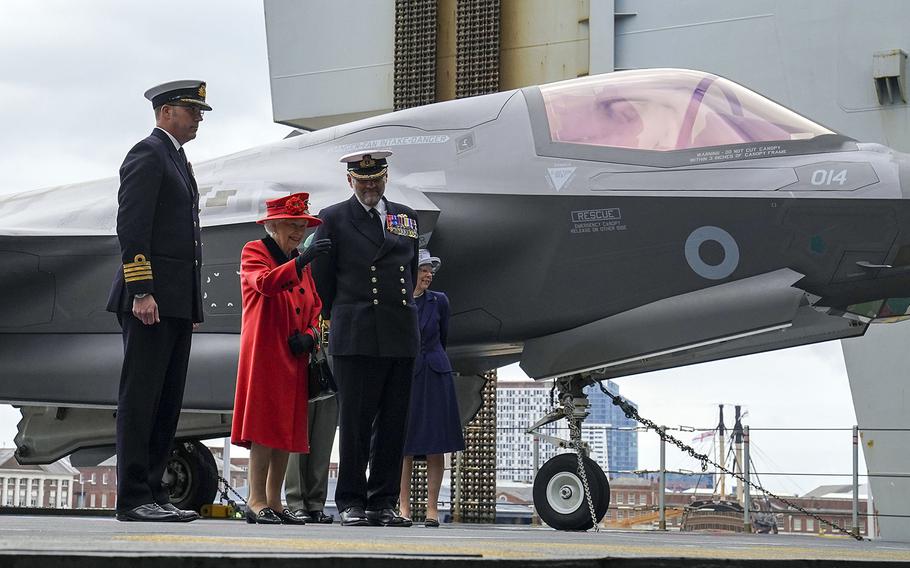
[(505, 548)]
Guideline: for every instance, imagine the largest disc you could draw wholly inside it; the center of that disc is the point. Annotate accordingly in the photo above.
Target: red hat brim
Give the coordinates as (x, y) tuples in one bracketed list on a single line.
[(311, 221)]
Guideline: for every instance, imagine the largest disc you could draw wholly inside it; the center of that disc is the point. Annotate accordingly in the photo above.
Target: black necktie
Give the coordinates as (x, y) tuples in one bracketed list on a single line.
[(182, 161), (378, 223)]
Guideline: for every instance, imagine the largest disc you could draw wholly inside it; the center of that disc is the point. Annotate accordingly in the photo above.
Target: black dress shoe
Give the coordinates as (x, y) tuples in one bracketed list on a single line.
[(266, 516), (148, 513), (301, 514), (289, 518), (321, 518), (354, 517), (184, 514), (387, 518)]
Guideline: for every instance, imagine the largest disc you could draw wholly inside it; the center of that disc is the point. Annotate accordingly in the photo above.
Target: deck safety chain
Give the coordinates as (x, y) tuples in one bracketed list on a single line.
[(578, 445), (632, 413), (225, 487)]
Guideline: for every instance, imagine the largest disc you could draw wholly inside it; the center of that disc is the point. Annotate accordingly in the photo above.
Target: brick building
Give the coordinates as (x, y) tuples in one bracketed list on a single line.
[(95, 487)]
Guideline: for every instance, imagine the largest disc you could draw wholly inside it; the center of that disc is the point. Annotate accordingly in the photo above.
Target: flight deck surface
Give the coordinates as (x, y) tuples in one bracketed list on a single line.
[(64, 542)]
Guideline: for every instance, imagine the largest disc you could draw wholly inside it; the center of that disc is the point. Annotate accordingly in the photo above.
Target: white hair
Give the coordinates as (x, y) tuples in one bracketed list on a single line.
[(271, 227)]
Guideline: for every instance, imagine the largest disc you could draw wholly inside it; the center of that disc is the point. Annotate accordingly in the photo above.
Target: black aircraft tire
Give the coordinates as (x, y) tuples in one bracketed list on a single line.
[(559, 493), (191, 475)]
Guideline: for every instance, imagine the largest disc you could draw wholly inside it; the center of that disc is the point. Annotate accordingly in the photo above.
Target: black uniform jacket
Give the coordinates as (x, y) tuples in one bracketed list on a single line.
[(158, 228), (367, 281)]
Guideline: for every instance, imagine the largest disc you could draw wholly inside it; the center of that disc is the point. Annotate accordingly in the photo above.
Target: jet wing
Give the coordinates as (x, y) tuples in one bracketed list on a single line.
[(751, 315)]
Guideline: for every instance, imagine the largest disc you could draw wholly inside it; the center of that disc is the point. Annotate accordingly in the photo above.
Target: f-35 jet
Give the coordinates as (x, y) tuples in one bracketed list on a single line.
[(592, 228)]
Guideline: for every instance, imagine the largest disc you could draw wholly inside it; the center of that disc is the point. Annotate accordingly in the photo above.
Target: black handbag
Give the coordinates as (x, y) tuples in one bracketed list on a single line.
[(321, 381)]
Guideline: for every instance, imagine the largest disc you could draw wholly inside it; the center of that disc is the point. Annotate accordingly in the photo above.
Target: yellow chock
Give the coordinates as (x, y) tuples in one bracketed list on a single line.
[(216, 511)]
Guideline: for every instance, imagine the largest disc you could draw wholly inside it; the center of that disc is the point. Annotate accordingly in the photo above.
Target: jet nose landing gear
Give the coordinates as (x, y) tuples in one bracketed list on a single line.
[(571, 492), (560, 497)]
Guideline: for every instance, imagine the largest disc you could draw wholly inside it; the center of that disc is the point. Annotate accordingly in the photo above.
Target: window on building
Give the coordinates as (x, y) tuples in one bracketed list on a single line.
[(65, 483), (619, 498), (91, 500), (642, 499), (810, 525), (104, 500), (619, 515), (797, 524), (52, 498), (92, 480), (103, 479)]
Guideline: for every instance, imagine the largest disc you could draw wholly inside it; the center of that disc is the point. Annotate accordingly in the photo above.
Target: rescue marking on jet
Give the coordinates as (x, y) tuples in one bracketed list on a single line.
[(560, 176), (724, 239), (597, 221)]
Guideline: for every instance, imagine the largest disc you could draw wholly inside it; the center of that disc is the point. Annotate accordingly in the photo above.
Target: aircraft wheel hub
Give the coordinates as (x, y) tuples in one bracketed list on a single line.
[(565, 493)]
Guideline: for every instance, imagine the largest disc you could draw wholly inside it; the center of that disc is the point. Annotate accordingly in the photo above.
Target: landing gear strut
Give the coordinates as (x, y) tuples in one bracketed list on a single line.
[(571, 492)]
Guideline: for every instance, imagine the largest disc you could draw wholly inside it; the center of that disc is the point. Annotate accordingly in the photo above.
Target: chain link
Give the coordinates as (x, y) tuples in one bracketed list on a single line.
[(224, 496), (578, 445), (632, 413)]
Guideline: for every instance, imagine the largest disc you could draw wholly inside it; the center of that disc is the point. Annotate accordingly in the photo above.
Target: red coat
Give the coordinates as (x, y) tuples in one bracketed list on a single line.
[(270, 404)]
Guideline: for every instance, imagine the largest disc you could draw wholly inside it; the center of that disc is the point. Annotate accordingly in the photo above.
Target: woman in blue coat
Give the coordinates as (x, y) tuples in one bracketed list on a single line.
[(434, 424)]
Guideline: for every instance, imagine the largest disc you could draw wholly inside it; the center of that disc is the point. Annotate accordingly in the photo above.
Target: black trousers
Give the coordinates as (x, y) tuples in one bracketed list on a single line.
[(374, 394), (155, 358)]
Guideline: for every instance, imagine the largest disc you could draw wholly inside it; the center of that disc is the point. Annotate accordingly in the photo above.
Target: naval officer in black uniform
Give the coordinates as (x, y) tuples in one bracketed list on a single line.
[(156, 296), (366, 284)]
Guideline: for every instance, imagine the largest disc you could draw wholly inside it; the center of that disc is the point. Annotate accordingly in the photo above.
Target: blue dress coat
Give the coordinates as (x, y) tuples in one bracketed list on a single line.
[(434, 423)]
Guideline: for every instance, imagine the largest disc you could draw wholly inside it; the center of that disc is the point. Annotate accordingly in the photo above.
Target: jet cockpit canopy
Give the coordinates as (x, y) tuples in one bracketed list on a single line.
[(667, 109)]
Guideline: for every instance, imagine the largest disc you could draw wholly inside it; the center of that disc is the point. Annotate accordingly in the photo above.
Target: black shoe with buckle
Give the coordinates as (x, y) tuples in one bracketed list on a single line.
[(387, 518), (289, 518), (354, 517), (267, 516), (321, 518), (185, 515)]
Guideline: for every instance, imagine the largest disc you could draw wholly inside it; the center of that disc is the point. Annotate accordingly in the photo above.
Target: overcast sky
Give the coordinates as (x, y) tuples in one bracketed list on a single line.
[(71, 82)]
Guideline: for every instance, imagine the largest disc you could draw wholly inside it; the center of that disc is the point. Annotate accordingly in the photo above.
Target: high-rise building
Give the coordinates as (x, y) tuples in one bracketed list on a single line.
[(622, 438), (520, 404)]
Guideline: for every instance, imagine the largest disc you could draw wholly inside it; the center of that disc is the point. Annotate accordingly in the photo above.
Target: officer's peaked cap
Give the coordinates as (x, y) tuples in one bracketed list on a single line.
[(187, 92), (367, 165)]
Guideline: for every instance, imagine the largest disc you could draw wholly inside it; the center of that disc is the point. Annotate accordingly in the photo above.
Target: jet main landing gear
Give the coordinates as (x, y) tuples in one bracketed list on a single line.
[(191, 476), (571, 492)]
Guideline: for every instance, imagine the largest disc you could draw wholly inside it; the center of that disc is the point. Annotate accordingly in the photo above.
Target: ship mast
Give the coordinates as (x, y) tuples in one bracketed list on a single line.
[(721, 429), (738, 441)]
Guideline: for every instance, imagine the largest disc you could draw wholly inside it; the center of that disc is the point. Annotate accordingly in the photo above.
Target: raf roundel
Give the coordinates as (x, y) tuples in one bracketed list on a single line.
[(705, 234)]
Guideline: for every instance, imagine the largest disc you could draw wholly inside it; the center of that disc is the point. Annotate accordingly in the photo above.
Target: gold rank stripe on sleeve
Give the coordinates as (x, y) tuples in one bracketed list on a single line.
[(139, 269)]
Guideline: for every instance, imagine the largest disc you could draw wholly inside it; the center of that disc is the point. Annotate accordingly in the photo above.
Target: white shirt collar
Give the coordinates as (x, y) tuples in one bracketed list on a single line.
[(380, 208), (169, 135)]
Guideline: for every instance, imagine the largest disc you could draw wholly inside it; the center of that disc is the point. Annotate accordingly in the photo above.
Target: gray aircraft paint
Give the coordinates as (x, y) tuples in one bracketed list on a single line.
[(516, 273)]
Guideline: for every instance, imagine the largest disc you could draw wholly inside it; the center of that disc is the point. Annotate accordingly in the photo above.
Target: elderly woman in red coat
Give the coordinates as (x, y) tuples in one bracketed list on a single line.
[(277, 335)]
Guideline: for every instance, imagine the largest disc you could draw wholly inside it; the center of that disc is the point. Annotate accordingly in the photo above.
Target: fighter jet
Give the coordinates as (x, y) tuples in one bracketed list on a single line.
[(592, 228)]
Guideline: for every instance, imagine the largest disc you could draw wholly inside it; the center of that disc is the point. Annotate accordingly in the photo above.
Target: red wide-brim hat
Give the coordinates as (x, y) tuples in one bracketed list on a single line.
[(295, 206)]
